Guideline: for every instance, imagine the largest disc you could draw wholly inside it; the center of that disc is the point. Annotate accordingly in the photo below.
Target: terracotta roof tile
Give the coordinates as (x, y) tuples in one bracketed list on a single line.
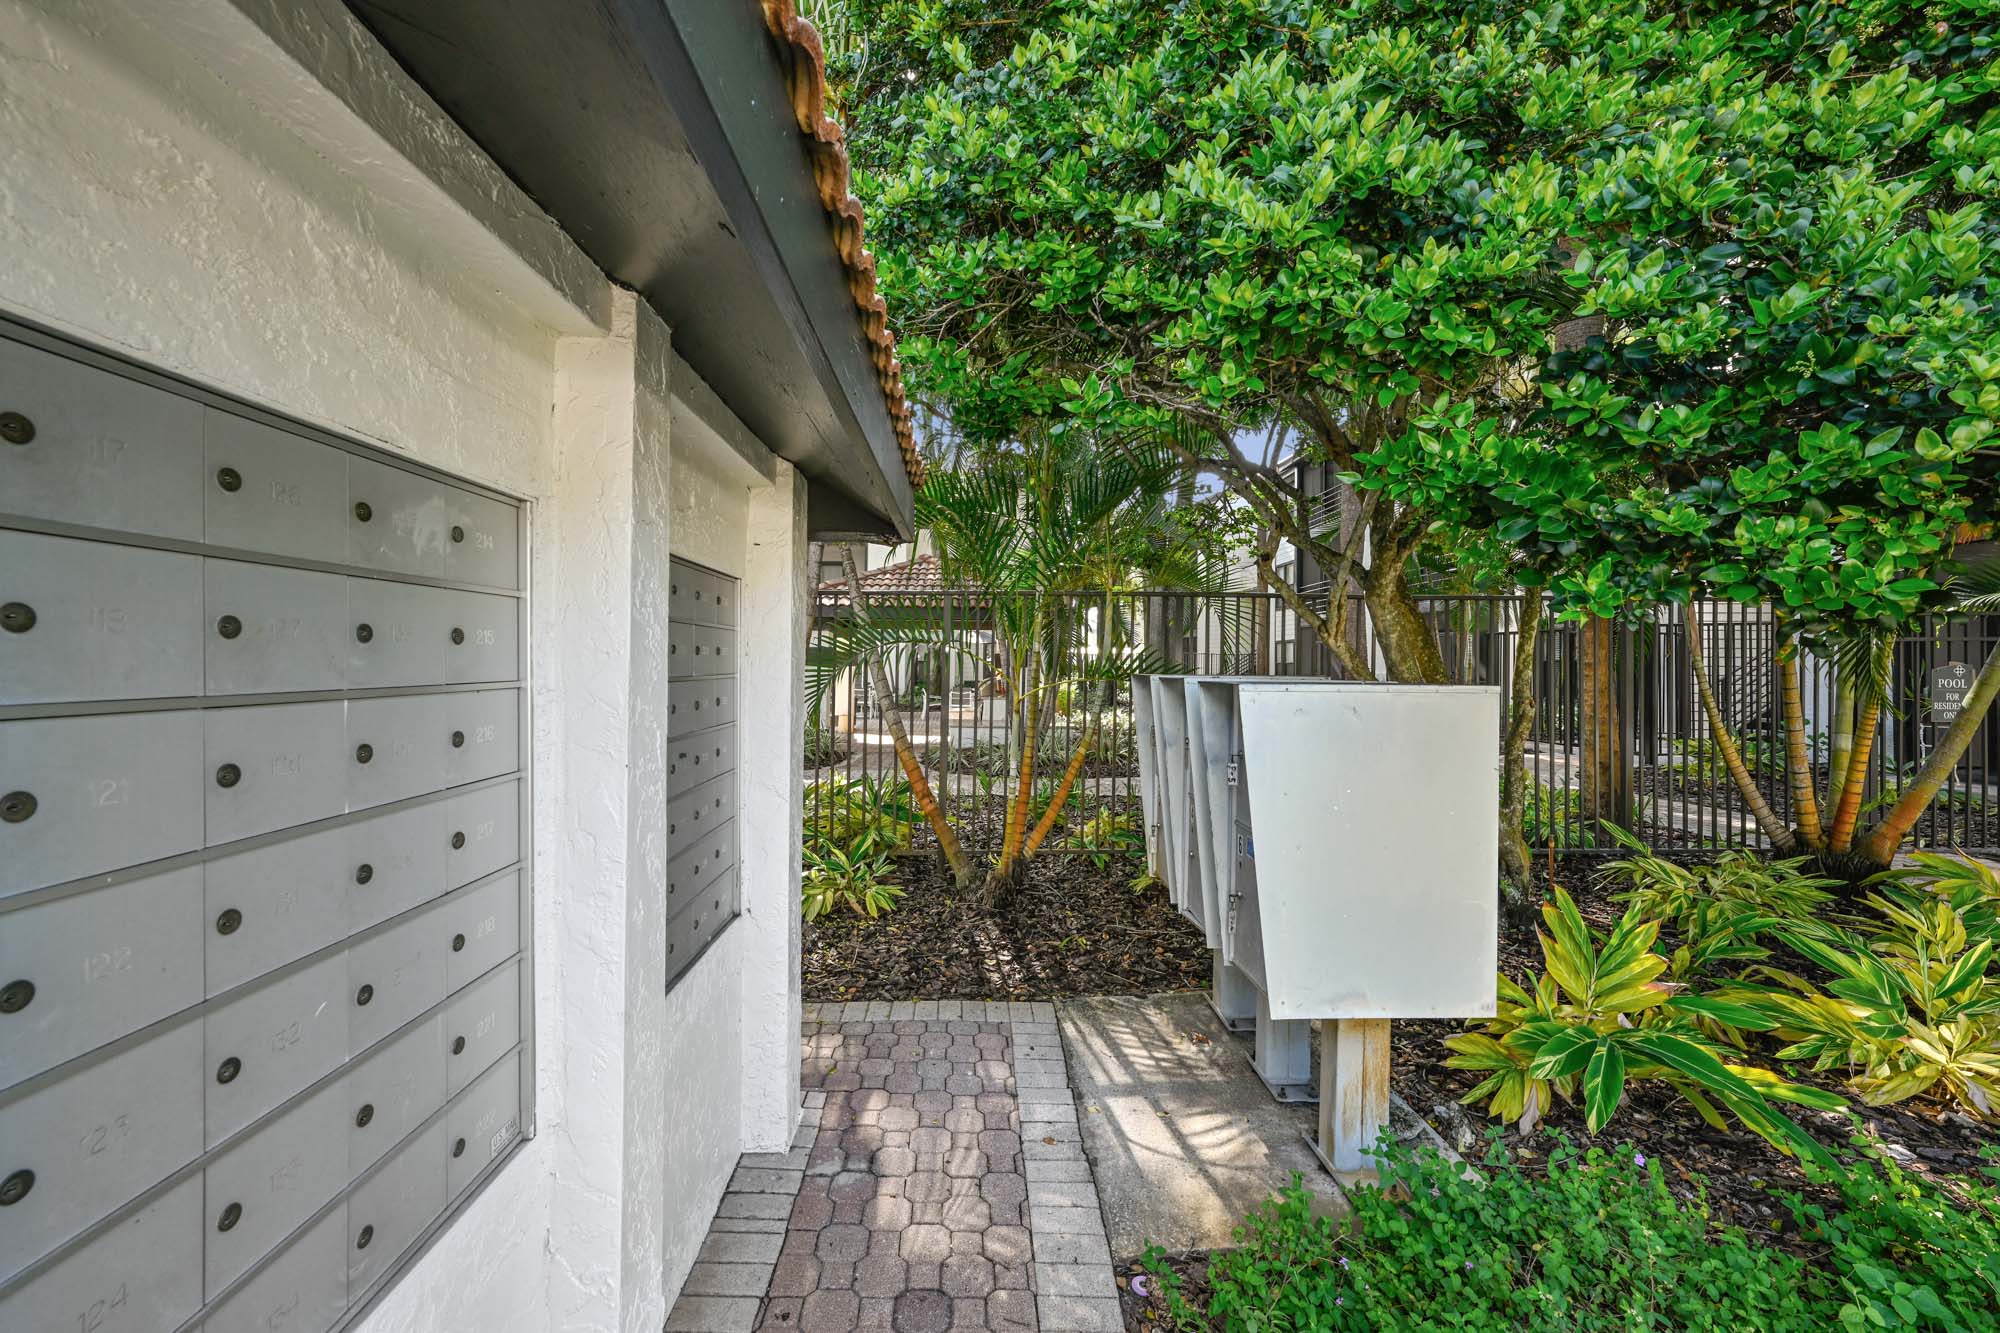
[(918, 575), (805, 78)]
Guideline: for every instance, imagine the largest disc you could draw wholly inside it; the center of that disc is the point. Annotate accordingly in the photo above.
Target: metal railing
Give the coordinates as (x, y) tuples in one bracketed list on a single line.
[(1619, 734)]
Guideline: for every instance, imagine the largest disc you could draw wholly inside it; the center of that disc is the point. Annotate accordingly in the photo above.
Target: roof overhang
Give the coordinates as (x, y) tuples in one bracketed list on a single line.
[(659, 135)]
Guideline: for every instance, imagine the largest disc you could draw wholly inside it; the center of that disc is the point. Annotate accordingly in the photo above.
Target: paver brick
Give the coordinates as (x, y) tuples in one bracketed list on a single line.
[(713, 1314), (731, 1247), (1075, 1280), (830, 1312), (1069, 1248), (1056, 1220), (711, 1279), (922, 1312), (1079, 1314), (1011, 1311)]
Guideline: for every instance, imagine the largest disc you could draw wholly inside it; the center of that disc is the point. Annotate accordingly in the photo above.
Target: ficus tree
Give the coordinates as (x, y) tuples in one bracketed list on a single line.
[(1787, 240)]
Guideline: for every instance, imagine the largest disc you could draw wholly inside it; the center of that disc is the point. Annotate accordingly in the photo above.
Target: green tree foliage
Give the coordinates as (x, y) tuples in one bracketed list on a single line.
[(1668, 299)]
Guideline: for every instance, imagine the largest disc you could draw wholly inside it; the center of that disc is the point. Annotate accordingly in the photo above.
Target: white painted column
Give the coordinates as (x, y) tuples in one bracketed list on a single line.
[(609, 513), (775, 597)]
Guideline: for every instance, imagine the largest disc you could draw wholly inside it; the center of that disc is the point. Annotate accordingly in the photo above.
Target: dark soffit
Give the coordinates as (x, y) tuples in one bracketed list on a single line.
[(658, 136)]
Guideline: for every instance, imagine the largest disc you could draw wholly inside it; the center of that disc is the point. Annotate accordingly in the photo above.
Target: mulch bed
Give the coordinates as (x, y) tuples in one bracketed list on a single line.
[(1072, 929)]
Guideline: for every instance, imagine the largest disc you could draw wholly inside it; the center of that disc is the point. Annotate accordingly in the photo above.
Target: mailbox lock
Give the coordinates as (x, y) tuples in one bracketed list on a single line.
[(362, 511), (458, 841), (227, 1071), (229, 479), (15, 1187), (458, 944), (364, 1115), (363, 752), (18, 807), (363, 632), (361, 1241), (17, 617), (457, 533), (227, 923), (458, 1046), (15, 428), (458, 740), (365, 994), (363, 873), (230, 1217), (458, 1148), (228, 775), (457, 634), (16, 996), (229, 627)]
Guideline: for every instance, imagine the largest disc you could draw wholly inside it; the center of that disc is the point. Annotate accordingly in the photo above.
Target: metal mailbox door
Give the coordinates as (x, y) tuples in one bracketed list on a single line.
[(140, 1276), (396, 635), (392, 1092), (88, 620), (272, 492), (260, 1190), (272, 904), (270, 629), (303, 1290), (388, 1211), (273, 1041), (484, 1120), (271, 767)]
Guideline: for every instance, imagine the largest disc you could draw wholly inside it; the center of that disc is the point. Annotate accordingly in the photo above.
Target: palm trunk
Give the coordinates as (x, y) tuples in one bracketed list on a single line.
[(921, 794), (1840, 748), (1515, 862), (1854, 781), (1000, 882), (1882, 841), (1798, 759), (1767, 819), (1061, 797), (1840, 838)]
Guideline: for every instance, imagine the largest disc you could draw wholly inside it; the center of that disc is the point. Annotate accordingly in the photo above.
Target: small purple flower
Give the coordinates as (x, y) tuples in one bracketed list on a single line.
[(1343, 1261), (1340, 1300), (1468, 1265), (1638, 1159)]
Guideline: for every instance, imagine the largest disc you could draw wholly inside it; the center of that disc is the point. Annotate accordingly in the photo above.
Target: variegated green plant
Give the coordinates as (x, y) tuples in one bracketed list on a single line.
[(1600, 1017), (1913, 1010)]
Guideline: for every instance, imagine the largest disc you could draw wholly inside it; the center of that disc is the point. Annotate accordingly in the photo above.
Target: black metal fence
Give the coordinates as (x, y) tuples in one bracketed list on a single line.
[(1619, 733)]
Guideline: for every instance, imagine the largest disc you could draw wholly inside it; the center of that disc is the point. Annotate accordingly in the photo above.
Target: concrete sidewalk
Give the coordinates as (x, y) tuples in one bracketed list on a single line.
[(1182, 1137)]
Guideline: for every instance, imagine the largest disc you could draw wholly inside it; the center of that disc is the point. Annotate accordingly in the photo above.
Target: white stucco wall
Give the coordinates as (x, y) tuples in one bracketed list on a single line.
[(197, 213)]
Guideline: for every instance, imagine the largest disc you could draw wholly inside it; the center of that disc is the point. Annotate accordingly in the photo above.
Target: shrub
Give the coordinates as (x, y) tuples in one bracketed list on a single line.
[(1737, 883), (843, 814), (1599, 1243), (856, 878), (1913, 1010), (1598, 1019), (1106, 836)]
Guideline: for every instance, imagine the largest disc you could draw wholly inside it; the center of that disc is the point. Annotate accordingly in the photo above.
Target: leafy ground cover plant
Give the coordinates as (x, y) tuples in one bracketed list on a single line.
[(841, 814), (1900, 1252), (1913, 1008), (856, 878), (1597, 1243), (1737, 883), (1599, 1017), (1600, 1242), (1107, 836)]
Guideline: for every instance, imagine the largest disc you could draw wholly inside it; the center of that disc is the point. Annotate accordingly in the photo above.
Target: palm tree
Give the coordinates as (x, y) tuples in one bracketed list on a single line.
[(1044, 536)]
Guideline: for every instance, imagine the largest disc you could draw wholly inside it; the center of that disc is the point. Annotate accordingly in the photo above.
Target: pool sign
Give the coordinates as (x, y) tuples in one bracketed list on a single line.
[(1950, 684)]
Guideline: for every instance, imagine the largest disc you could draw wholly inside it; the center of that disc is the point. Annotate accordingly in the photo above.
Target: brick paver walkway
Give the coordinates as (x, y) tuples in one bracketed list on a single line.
[(943, 1186)]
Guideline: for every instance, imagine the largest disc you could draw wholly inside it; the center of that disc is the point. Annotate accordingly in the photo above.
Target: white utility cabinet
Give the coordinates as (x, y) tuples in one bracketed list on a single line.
[(1372, 846), (1369, 874)]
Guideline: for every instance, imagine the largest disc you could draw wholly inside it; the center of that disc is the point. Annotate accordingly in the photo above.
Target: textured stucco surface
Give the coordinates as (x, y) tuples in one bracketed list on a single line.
[(181, 211), (209, 244), (776, 591)]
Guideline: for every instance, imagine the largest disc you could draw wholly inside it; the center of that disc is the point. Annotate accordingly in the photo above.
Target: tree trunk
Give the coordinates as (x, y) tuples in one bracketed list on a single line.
[(920, 788), (1409, 648), (1798, 757), (1001, 879), (1887, 836), (1056, 802), (1605, 782), (1847, 812), (1515, 863), (1732, 759)]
